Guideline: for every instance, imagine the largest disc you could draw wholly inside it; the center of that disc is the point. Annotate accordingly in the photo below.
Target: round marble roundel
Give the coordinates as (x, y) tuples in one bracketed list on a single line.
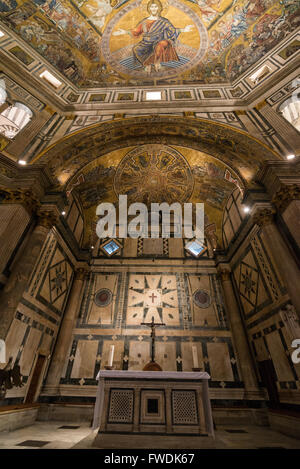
[(103, 297), (202, 299)]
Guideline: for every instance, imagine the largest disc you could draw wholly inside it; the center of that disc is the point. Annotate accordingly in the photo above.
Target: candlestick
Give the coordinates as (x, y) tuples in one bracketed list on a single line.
[(195, 356), (111, 355)]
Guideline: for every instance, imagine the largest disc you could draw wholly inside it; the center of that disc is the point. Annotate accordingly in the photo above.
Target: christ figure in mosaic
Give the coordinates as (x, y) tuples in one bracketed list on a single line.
[(158, 38)]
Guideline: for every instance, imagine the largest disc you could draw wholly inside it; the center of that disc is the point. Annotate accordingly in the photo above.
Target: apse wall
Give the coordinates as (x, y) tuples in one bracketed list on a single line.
[(117, 298)]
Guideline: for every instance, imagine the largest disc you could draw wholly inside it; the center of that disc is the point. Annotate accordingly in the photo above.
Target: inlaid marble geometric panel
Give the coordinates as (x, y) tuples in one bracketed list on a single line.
[(152, 296), (85, 357), (29, 351), (139, 354), (103, 293), (251, 288), (219, 362), (165, 355), (277, 352), (56, 281), (14, 338), (203, 303), (187, 355), (118, 353)]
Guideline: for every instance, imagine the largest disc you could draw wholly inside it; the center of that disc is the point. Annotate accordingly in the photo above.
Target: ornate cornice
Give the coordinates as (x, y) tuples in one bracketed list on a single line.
[(224, 274), (46, 219), (81, 273), (26, 198), (264, 216), (286, 194)]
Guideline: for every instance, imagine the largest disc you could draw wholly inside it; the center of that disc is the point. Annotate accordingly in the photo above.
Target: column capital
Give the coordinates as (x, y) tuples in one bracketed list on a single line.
[(264, 216), (224, 274), (46, 218), (24, 197), (286, 194), (80, 273)]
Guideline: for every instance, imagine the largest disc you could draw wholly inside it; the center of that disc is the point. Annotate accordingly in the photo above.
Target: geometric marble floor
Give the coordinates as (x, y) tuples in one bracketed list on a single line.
[(59, 435)]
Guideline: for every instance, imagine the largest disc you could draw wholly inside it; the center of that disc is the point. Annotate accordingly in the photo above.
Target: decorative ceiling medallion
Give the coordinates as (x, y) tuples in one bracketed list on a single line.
[(202, 299), (162, 43), (103, 297), (154, 174)]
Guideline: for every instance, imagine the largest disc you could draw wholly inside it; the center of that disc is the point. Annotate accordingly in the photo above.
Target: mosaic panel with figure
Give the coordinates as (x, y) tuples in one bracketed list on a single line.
[(101, 43)]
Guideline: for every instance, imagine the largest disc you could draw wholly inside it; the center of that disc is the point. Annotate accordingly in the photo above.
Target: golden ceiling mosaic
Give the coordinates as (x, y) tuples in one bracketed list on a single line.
[(155, 173), (99, 43)]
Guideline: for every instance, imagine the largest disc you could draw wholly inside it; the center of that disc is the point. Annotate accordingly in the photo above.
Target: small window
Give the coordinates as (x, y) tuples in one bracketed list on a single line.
[(260, 74), (195, 248), (111, 247), (153, 95), (290, 110), (13, 119)]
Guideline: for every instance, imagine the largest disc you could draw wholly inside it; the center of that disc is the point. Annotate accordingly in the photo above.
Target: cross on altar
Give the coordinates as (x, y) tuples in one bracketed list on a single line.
[(152, 325)]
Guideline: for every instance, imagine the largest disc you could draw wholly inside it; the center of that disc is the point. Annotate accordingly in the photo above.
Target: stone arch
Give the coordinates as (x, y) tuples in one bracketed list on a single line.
[(235, 148)]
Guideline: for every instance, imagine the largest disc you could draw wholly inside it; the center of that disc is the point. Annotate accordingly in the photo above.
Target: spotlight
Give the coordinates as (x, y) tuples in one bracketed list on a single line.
[(246, 209), (290, 157), (22, 162), (63, 212)]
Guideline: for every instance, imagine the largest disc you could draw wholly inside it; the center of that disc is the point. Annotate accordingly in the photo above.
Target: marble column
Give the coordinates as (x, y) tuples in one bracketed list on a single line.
[(287, 202), (17, 282), (283, 128), (284, 260), (238, 333), (66, 330)]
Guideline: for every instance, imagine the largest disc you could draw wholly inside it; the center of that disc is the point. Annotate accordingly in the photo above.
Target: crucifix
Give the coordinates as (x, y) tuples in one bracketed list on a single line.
[(152, 325)]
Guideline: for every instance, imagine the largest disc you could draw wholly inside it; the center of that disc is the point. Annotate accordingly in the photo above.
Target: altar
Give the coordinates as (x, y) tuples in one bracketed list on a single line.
[(152, 409)]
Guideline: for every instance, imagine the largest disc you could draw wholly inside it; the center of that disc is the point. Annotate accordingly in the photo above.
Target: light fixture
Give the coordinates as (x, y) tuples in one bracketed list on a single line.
[(1, 33), (153, 95), (63, 212), (246, 209), (22, 162), (290, 157), (260, 74), (92, 247), (50, 78), (3, 94)]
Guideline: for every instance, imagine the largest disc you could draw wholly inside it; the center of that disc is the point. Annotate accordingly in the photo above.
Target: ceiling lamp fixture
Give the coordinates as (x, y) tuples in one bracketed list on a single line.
[(50, 79), (246, 209), (290, 157), (1, 33), (22, 162)]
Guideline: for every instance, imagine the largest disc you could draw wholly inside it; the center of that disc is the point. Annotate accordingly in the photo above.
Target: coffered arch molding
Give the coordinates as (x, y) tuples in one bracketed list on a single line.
[(243, 154)]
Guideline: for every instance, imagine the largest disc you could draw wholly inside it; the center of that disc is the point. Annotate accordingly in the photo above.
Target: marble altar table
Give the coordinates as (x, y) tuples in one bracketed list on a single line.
[(149, 409)]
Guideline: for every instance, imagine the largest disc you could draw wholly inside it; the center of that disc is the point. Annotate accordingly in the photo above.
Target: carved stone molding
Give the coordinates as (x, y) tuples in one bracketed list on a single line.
[(224, 275), (264, 216), (81, 273), (286, 194), (46, 219), (25, 197)]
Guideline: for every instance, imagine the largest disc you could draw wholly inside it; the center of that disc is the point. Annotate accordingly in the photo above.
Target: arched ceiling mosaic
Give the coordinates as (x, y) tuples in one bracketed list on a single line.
[(154, 173), (99, 43), (155, 159), (241, 153)]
